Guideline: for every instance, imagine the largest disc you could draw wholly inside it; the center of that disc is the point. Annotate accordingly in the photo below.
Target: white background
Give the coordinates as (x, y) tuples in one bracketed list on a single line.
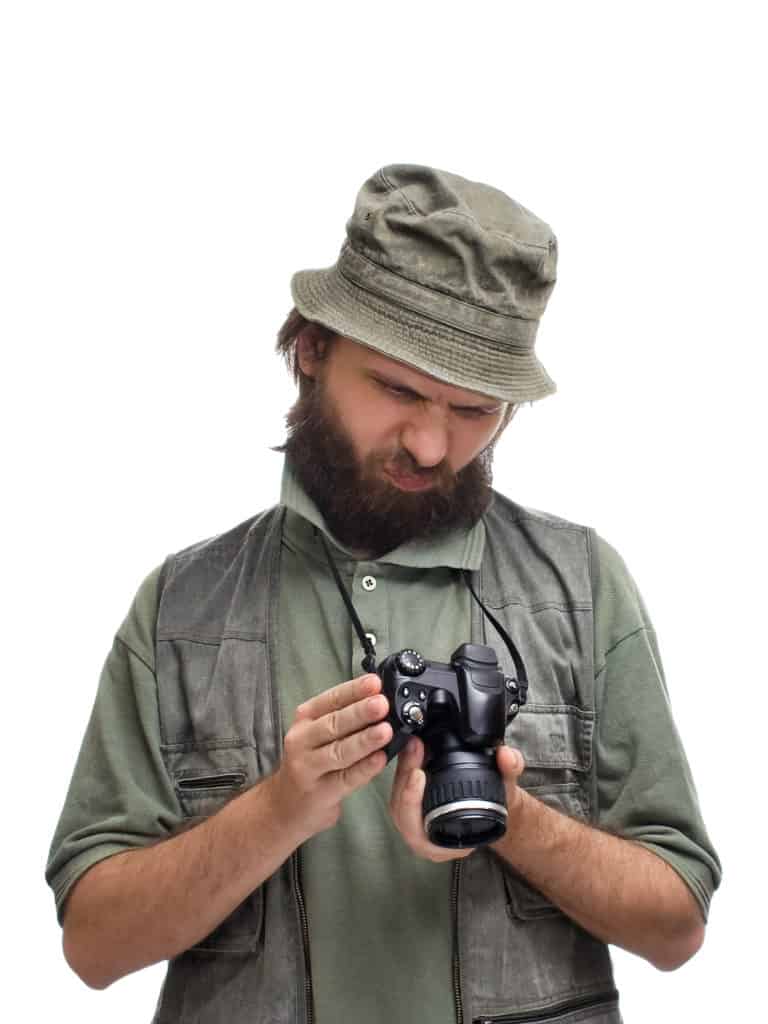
[(167, 166)]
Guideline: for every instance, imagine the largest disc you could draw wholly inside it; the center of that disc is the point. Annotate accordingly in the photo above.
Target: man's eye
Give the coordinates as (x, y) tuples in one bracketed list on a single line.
[(393, 389), (474, 412)]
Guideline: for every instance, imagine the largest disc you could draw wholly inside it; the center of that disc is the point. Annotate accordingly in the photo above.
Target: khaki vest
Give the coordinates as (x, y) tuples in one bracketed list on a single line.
[(516, 956)]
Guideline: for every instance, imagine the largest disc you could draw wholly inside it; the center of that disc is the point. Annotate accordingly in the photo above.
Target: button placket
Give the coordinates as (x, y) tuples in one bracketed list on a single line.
[(371, 607)]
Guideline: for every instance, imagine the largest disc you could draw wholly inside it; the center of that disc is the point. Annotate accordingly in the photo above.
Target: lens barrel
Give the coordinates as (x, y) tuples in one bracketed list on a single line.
[(464, 800)]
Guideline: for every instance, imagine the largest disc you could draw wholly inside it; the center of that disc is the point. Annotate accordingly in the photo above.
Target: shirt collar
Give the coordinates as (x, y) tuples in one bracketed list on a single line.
[(460, 548)]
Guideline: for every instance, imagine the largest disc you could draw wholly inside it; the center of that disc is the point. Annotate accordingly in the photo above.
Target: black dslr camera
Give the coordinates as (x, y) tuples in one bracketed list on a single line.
[(461, 712)]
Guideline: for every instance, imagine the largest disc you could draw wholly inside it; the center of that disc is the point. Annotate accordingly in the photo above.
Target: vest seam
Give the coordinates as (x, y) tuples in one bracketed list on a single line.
[(542, 606), (552, 524), (208, 639)]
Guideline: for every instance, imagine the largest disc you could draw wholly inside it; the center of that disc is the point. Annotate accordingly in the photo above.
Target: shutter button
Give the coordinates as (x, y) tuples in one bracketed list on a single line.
[(369, 583)]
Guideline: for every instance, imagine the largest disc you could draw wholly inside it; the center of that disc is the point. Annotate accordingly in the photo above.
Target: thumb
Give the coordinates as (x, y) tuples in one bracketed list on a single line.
[(510, 763)]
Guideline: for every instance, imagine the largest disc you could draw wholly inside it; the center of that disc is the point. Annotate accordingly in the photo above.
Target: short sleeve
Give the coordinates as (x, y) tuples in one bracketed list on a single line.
[(645, 789), (120, 796)]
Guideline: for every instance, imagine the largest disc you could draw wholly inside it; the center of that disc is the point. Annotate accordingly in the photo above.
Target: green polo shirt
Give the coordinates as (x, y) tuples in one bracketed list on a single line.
[(375, 910)]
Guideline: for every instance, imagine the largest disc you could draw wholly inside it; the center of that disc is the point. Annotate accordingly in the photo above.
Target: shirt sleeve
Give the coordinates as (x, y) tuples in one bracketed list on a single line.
[(120, 796), (645, 789)]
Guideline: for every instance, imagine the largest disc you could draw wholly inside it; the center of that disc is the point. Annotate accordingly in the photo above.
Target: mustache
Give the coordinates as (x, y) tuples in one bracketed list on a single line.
[(402, 461)]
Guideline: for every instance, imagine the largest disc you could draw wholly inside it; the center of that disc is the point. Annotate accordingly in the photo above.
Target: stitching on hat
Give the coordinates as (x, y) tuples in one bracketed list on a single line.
[(453, 298), (418, 324), (494, 231), (394, 188)]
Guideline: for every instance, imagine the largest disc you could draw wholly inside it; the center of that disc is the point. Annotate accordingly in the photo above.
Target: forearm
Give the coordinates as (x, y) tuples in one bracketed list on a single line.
[(142, 906), (615, 889)]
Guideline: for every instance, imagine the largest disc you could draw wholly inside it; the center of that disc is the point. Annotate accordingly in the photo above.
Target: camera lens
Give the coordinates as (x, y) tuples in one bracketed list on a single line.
[(464, 800)]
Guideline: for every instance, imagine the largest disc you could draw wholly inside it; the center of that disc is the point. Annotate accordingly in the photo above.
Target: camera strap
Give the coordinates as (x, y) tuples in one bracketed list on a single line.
[(369, 659), (522, 675)]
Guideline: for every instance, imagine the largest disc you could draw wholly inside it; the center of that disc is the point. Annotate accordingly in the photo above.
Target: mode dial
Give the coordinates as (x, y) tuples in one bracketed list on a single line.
[(410, 662)]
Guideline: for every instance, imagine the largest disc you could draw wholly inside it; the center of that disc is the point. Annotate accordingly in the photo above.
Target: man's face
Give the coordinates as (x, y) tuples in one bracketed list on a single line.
[(386, 452)]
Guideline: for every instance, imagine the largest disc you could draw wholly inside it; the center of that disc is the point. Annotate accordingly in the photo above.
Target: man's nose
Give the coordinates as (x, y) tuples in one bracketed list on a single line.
[(425, 436)]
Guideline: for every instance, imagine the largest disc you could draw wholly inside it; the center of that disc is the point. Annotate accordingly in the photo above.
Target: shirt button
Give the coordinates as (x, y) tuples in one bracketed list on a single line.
[(369, 582)]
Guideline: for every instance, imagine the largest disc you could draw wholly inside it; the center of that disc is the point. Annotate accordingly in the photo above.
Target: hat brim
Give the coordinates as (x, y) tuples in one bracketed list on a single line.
[(512, 374)]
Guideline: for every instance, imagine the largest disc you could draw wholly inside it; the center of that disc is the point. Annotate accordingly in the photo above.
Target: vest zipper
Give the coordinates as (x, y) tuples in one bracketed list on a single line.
[(227, 780), (456, 962), (298, 892), (551, 1013)]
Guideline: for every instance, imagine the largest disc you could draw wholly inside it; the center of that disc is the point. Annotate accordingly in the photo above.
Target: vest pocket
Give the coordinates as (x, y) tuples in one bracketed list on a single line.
[(205, 780), (524, 902), (241, 932), (208, 776), (201, 793), (599, 1008)]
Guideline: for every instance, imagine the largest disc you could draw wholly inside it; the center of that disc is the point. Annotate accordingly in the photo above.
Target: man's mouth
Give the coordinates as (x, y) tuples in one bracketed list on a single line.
[(410, 481)]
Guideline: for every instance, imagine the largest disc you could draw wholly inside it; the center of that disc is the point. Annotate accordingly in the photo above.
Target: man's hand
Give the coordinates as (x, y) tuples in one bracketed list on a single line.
[(332, 748), (408, 792)]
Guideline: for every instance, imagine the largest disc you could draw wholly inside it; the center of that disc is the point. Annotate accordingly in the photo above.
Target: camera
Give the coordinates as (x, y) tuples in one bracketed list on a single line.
[(460, 711)]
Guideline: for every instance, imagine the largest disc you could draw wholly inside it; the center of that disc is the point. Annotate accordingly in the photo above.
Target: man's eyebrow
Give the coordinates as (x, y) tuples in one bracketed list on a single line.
[(492, 405)]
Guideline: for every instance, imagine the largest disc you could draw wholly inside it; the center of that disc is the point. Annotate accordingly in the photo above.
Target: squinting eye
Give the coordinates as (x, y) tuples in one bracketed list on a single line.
[(474, 413), (393, 389)]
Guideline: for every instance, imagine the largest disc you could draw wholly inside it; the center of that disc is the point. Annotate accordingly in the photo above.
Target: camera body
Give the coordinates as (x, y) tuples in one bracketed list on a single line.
[(461, 711)]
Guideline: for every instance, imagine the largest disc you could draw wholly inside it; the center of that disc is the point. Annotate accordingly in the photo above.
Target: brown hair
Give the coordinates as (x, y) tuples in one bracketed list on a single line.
[(320, 337)]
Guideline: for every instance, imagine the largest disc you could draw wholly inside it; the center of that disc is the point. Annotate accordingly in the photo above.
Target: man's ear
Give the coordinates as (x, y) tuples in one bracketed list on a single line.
[(310, 349)]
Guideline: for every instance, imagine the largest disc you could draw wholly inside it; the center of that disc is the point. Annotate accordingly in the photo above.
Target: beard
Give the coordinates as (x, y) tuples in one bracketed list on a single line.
[(364, 511)]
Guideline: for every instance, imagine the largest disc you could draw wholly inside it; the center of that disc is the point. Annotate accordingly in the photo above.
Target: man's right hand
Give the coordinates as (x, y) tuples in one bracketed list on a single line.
[(333, 747)]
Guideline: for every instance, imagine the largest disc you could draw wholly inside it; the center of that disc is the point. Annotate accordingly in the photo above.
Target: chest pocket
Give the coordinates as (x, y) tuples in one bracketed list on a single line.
[(556, 743)]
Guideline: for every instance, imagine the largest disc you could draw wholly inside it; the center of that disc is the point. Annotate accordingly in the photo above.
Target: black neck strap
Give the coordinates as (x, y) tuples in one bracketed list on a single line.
[(522, 675), (369, 659)]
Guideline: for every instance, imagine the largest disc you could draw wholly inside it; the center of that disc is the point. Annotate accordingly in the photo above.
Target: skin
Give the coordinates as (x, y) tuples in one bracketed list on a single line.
[(143, 906), (385, 405)]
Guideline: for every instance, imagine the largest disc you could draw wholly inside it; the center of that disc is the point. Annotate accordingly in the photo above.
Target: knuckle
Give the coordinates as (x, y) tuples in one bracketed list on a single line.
[(289, 743)]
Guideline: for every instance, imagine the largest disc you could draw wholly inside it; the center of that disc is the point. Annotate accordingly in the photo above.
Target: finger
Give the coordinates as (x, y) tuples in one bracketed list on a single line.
[(360, 773), (342, 754), (408, 812), (409, 758), (339, 697), (337, 725)]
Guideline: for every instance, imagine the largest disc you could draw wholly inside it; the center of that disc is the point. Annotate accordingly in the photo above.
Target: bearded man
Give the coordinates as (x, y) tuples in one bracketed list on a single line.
[(234, 810)]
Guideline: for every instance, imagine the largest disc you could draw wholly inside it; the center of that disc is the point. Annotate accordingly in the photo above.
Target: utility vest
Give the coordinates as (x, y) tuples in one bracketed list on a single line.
[(516, 956)]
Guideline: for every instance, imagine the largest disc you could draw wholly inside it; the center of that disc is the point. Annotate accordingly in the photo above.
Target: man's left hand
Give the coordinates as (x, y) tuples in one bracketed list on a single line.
[(408, 792)]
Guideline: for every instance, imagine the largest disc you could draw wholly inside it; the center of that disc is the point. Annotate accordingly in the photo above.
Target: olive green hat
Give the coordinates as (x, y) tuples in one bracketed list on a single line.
[(448, 275)]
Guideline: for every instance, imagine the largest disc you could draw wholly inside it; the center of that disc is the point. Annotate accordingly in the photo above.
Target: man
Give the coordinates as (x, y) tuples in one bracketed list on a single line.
[(232, 810)]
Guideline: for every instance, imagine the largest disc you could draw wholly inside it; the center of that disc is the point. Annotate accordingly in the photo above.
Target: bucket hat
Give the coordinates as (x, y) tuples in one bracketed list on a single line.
[(448, 275)]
